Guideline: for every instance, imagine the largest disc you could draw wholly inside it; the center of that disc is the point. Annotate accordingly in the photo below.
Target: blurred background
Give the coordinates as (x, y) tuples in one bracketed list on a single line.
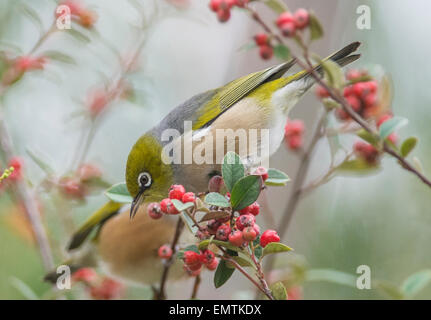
[(381, 220)]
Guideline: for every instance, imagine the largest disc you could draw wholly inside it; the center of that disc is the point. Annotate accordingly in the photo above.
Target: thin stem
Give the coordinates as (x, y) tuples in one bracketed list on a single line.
[(161, 295), (196, 286)]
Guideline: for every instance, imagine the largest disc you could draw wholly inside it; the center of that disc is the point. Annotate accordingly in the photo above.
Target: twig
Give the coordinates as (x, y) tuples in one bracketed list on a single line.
[(196, 285), (161, 292)]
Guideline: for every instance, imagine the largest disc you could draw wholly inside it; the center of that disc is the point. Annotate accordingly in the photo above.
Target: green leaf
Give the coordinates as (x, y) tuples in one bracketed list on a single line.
[(278, 291), (391, 125), (58, 56), (330, 275), (119, 193), (205, 243), (282, 52), (232, 169), (334, 74), (276, 178), (275, 247), (415, 283), (408, 145), (242, 261), (222, 274), (277, 6), (388, 289), (189, 222), (258, 250), (316, 30), (215, 215), (357, 166), (180, 206), (216, 199), (245, 191), (367, 136)]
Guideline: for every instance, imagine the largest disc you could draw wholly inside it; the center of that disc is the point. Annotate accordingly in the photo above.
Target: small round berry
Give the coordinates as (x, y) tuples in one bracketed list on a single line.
[(370, 100), (154, 210), (165, 252), (244, 211), (107, 289), (353, 74), (348, 91), (294, 128), (266, 52), (341, 114), (17, 164), (393, 137), (244, 221), (168, 207), (194, 270), (177, 191), (72, 188), (257, 229), (188, 197), (191, 257), (383, 119), (261, 171), (354, 102), (288, 29), (249, 234), (213, 225), (285, 17), (223, 232), (202, 235), (207, 256), (236, 238), (213, 265), (321, 92), (261, 39), (359, 89), (254, 208), (215, 5), (269, 236), (85, 275), (223, 15), (215, 184), (302, 18), (294, 142)]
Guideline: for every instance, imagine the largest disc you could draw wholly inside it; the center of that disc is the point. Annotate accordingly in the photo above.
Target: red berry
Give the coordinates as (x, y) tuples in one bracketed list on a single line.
[(244, 211), (236, 238), (266, 52), (17, 164), (165, 252), (193, 270), (87, 275), (215, 184), (191, 257), (393, 137), (108, 289), (288, 29), (261, 171), (168, 207), (383, 119), (213, 265), (301, 17), (269, 236), (213, 225), (261, 39), (257, 229), (207, 256), (154, 210), (176, 192), (354, 102), (341, 114), (72, 188), (353, 74), (215, 4), (223, 15), (285, 17), (244, 221), (359, 89), (223, 232), (293, 128), (370, 100), (294, 142), (348, 91), (372, 86), (188, 197), (254, 208), (88, 171), (249, 234), (321, 92)]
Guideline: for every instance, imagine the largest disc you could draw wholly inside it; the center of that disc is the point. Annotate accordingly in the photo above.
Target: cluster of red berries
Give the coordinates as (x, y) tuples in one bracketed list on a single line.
[(289, 23), (222, 7), (99, 288), (76, 186), (194, 261), (83, 15), (266, 51), (293, 134), (156, 210), (360, 95)]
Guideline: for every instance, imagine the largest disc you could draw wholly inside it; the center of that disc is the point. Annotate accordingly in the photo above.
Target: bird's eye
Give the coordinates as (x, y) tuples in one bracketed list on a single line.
[(144, 180)]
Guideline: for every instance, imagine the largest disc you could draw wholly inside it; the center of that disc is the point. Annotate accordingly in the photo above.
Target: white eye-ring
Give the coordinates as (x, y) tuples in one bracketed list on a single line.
[(144, 180)]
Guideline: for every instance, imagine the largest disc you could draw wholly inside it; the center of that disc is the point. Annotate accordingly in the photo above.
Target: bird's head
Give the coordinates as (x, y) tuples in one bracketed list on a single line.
[(147, 176)]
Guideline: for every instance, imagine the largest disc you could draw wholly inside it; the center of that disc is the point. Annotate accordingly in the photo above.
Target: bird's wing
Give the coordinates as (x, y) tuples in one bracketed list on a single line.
[(228, 95), (97, 218)]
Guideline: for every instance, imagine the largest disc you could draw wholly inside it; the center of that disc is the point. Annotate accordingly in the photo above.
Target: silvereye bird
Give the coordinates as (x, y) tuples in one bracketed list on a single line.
[(257, 101), (261, 100)]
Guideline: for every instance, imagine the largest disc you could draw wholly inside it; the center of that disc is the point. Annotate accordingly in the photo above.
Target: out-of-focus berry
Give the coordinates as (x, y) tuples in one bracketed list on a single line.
[(165, 252), (269, 236)]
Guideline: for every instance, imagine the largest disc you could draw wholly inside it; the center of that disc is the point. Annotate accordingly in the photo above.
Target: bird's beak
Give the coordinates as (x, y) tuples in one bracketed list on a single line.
[(136, 203)]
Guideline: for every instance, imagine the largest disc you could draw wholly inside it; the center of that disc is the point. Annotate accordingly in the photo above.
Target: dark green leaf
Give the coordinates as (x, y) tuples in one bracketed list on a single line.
[(232, 169), (245, 191), (222, 274), (119, 193), (282, 52), (275, 247), (258, 250), (276, 178), (416, 282), (216, 199), (316, 30), (391, 125), (278, 291), (408, 145)]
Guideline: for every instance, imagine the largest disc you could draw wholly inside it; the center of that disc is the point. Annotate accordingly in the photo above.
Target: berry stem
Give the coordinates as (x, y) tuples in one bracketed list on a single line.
[(196, 286)]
